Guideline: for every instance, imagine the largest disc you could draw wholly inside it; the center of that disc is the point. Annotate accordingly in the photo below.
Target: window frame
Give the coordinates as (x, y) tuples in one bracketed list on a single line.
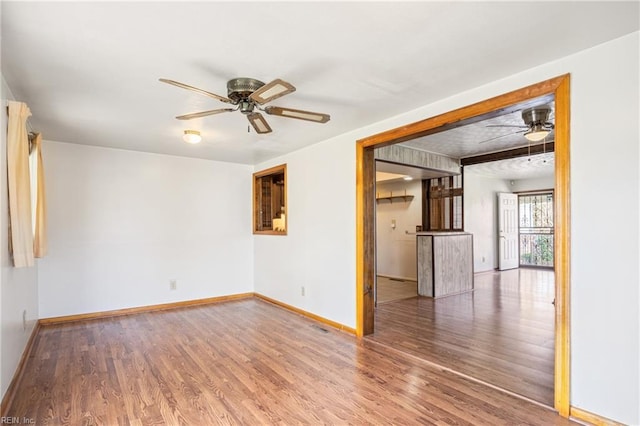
[(258, 226), (548, 231), (439, 207)]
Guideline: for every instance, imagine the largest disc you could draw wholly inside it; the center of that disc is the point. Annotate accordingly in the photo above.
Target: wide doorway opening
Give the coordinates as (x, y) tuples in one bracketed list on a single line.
[(500, 331), (508, 284)]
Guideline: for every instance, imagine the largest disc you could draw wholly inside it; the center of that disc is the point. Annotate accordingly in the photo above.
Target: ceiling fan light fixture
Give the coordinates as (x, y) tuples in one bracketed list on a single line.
[(192, 136), (537, 118), (537, 133)]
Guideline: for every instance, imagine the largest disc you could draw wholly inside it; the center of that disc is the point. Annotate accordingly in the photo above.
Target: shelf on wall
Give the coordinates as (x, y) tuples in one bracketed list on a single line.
[(405, 198)]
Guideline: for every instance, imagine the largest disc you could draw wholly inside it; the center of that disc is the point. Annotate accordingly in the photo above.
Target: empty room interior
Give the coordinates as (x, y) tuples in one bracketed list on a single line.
[(320, 213)]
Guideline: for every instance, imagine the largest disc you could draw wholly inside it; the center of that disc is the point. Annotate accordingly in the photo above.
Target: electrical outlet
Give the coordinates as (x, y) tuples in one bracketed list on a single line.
[(483, 259), (173, 285), (24, 320), (302, 290)]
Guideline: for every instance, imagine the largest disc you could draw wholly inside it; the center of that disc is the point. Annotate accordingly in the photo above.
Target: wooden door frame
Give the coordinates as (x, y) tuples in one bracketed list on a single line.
[(365, 214)]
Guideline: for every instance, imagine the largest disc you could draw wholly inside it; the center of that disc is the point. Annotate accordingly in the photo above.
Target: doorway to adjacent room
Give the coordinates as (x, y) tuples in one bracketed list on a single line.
[(559, 89)]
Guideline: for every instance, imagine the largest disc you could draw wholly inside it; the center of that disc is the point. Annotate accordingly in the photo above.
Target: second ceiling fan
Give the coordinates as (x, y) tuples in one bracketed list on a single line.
[(537, 124), (248, 95)]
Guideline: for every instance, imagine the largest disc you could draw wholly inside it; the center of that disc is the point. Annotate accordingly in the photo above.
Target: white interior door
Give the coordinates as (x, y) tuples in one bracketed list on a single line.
[(507, 231)]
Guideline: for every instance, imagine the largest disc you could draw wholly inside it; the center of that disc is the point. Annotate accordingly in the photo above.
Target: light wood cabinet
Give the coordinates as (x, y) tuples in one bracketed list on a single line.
[(445, 263)]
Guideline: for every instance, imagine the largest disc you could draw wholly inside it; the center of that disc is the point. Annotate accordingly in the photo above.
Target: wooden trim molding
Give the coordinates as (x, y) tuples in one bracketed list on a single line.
[(10, 394), (359, 240), (562, 244), (307, 314), (187, 304), (142, 309), (593, 419), (556, 89), (500, 104), (509, 153)]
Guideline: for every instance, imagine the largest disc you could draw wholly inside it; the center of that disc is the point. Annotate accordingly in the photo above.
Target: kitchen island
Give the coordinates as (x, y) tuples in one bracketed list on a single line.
[(445, 263)]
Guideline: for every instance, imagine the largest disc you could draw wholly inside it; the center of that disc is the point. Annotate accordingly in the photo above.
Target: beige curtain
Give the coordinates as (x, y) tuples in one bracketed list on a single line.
[(18, 179), (40, 218)]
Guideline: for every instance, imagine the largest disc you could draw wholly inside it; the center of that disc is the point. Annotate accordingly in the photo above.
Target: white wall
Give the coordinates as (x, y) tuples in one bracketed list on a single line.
[(124, 223), (19, 287), (481, 217), (395, 250), (319, 250), (520, 185), (481, 212), (604, 236), (605, 331)]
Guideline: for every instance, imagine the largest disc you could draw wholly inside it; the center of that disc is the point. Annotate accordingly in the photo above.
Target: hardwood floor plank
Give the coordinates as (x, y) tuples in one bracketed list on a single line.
[(389, 289), (243, 362), (502, 333)]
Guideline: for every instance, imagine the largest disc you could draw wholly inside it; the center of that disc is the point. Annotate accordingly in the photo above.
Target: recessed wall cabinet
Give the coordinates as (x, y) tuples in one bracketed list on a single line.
[(270, 201)]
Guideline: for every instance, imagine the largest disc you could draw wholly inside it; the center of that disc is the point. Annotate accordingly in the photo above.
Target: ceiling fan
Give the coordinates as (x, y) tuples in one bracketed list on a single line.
[(537, 124), (248, 95)]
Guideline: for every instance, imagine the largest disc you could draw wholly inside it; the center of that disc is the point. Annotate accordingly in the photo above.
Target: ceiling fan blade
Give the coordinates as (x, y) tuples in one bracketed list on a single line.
[(195, 89), (507, 125), (503, 136), (270, 91), (258, 122), (317, 117), (204, 113)]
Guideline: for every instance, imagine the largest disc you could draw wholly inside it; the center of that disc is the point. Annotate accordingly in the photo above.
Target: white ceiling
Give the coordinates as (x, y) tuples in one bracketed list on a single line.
[(489, 136), (89, 70), (483, 137), (392, 172), (529, 167)]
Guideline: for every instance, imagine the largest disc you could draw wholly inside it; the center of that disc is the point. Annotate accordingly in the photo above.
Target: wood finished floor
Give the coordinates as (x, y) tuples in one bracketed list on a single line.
[(502, 333), (243, 362), (389, 289)]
